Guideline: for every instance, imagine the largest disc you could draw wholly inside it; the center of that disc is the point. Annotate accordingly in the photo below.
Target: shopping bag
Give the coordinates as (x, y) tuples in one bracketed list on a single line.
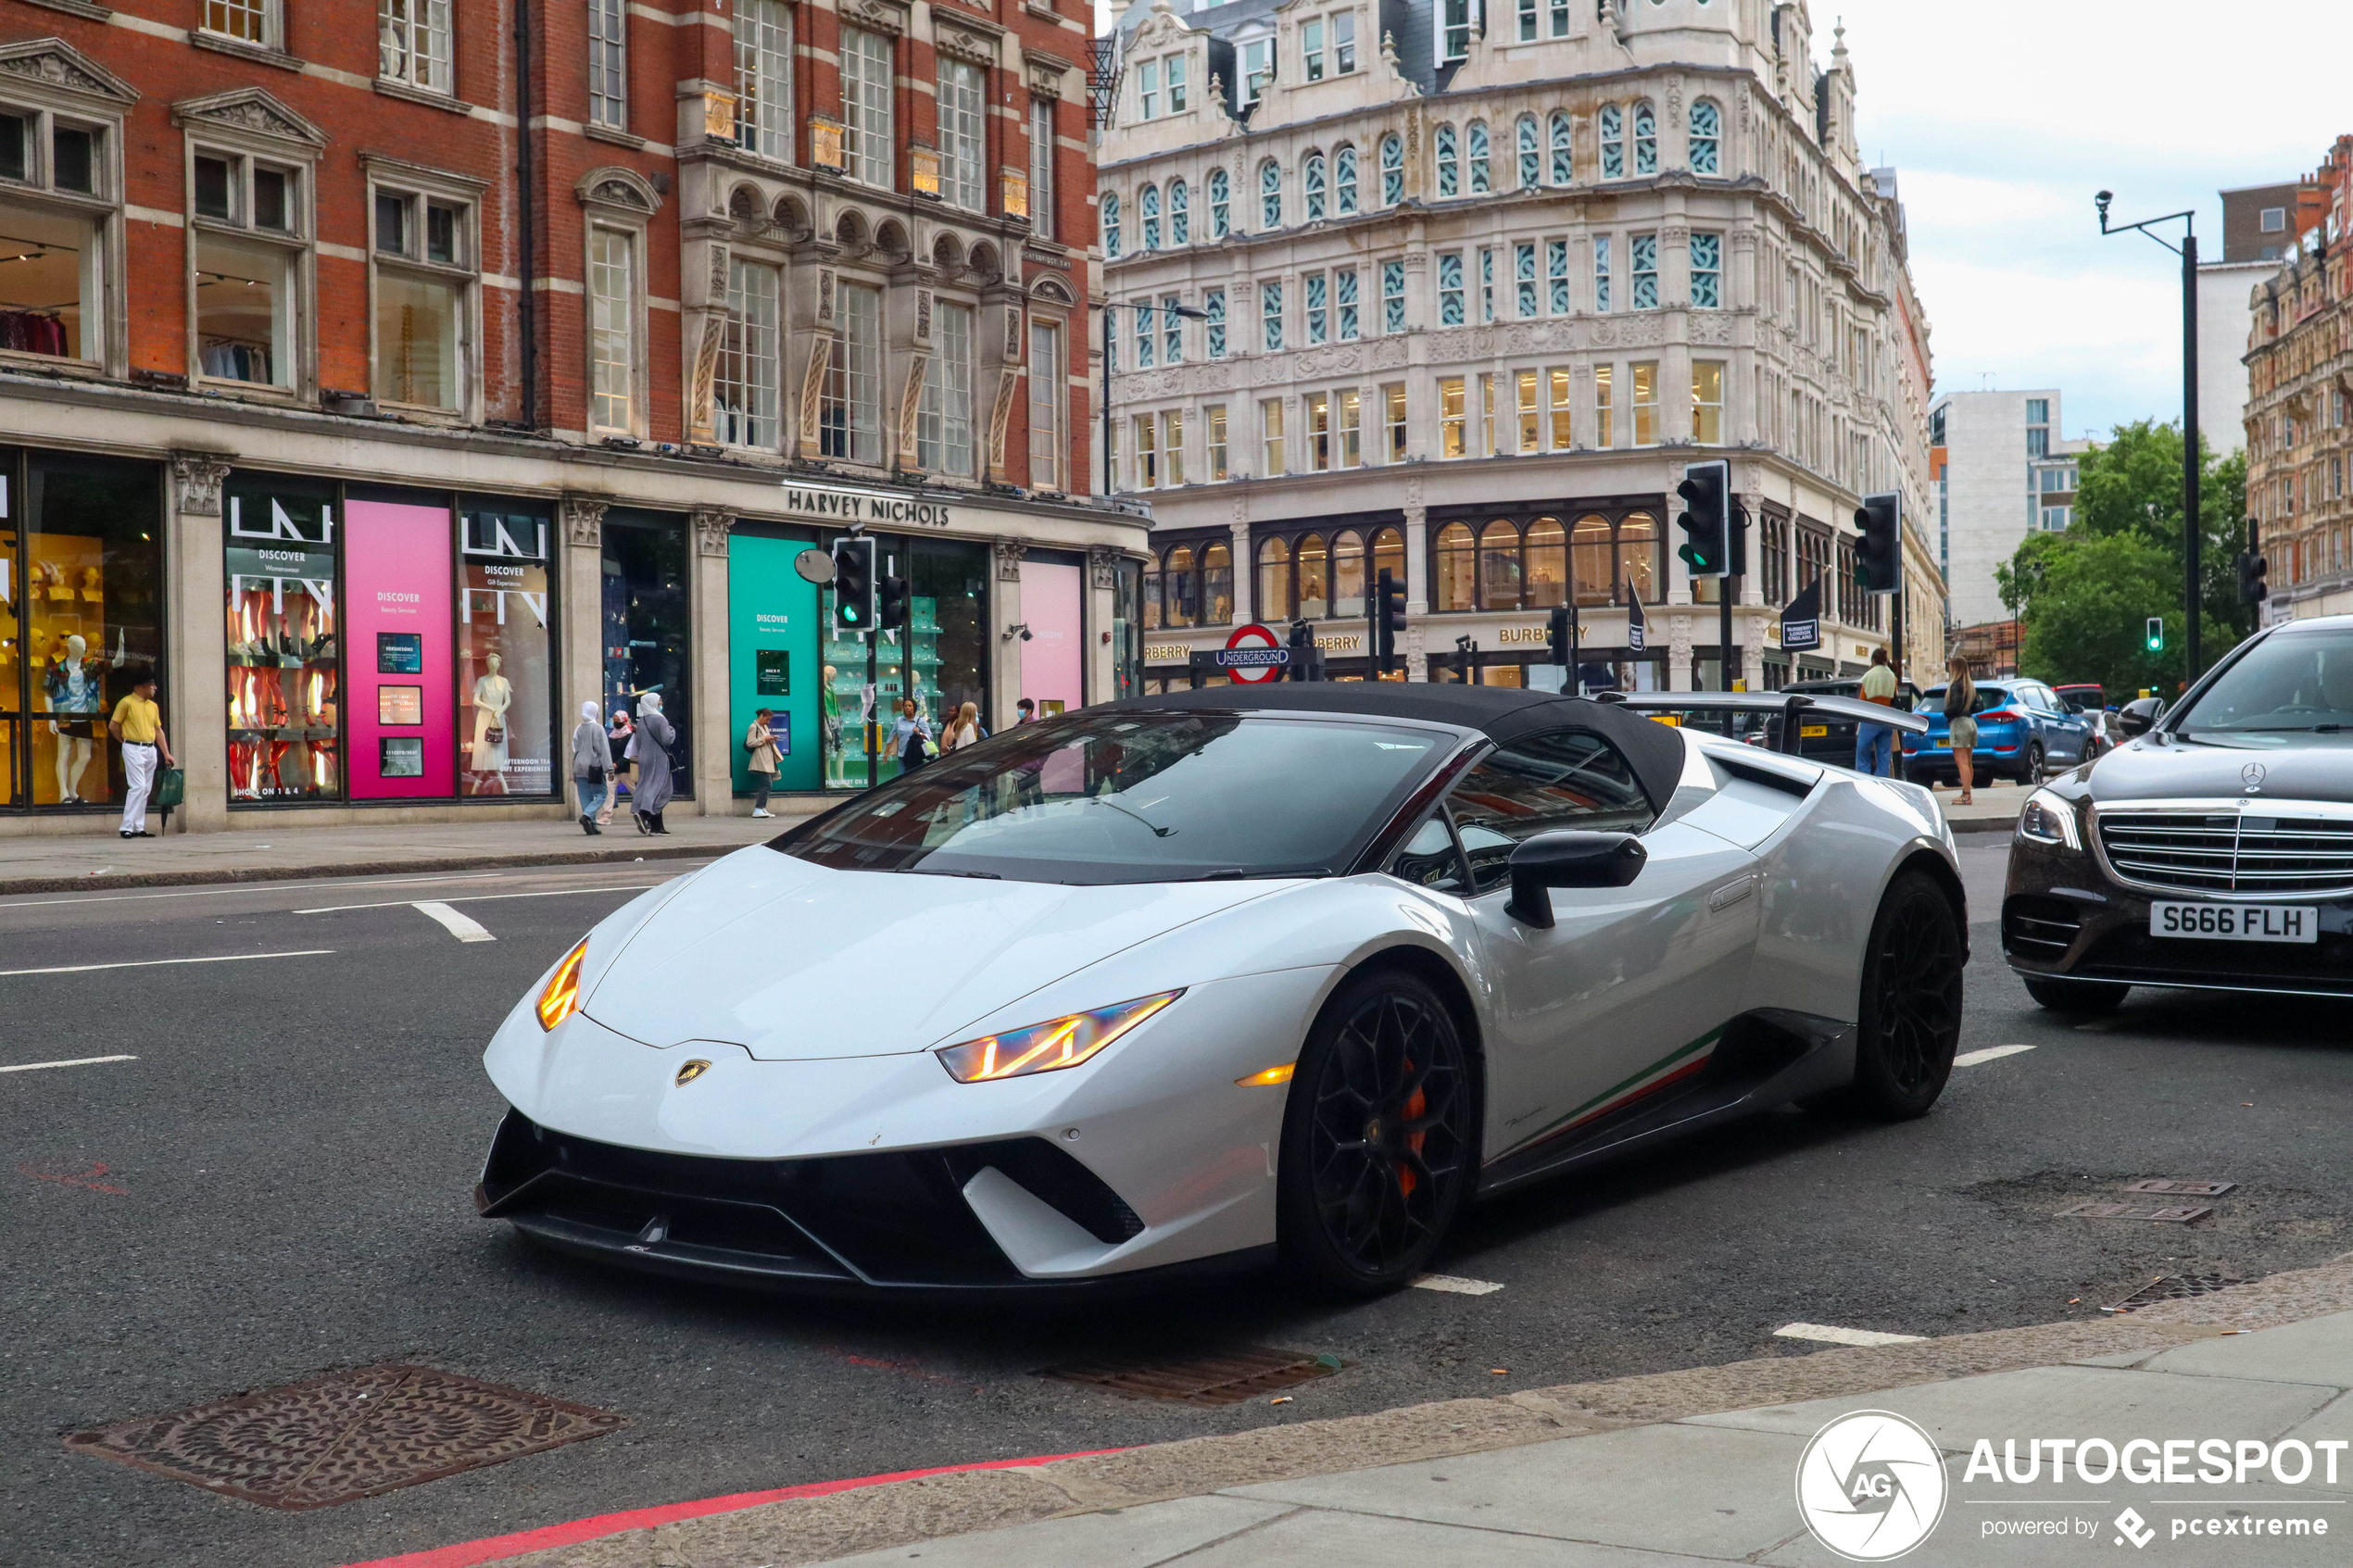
[(171, 786)]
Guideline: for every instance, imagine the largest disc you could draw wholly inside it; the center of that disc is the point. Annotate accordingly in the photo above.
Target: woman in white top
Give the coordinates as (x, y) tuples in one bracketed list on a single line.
[(963, 730)]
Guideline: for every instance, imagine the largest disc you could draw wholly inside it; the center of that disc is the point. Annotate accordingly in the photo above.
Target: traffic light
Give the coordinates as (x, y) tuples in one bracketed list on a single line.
[(1303, 651), (1387, 619), (2252, 571), (890, 610), (2157, 633), (1879, 556), (1465, 670), (853, 584), (1557, 636), (1706, 519)]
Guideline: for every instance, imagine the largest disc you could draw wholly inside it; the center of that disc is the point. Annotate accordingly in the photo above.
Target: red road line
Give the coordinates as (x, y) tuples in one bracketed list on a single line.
[(492, 1547)]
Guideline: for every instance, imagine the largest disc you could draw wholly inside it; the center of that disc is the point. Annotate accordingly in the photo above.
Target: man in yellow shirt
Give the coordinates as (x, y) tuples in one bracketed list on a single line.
[(1875, 743), (138, 724)]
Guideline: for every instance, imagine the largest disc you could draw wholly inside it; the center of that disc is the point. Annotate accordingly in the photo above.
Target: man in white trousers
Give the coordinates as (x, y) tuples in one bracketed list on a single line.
[(138, 724)]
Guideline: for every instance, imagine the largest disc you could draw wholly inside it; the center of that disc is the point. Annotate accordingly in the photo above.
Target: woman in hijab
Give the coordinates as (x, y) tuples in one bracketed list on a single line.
[(591, 757), (619, 734), (651, 751)]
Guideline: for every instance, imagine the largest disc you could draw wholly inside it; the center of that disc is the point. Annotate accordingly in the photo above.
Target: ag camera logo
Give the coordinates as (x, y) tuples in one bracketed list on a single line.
[(1871, 1486)]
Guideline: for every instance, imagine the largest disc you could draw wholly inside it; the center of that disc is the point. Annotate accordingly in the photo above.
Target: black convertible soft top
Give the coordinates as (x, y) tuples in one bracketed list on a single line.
[(1501, 712)]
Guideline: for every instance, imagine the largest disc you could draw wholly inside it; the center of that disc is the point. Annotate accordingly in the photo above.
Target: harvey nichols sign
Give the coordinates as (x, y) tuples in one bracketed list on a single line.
[(865, 507)]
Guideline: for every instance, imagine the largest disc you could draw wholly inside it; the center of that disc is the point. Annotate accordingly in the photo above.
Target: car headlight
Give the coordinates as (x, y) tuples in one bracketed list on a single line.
[(560, 998), (1049, 1046), (2049, 817)]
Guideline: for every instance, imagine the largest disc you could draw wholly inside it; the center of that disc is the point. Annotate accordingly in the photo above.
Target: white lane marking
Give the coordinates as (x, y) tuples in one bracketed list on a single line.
[(150, 963), (486, 898), (463, 928), (1845, 1336), (1991, 1053), (1455, 1284), (250, 887), (77, 1062)]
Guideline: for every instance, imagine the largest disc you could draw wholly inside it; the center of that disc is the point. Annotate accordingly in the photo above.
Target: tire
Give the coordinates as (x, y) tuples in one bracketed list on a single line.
[(2087, 999), (2030, 772), (1379, 1137), (1909, 1020)]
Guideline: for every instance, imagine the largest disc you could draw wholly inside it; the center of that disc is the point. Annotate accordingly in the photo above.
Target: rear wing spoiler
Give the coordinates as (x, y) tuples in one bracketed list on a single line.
[(1789, 708)]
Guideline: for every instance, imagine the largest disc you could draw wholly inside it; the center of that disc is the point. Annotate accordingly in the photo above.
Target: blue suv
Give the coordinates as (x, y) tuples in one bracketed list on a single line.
[(2023, 730)]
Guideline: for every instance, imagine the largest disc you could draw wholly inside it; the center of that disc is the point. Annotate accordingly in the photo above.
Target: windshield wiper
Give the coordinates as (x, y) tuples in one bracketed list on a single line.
[(1237, 873), (2327, 729), (1102, 801)]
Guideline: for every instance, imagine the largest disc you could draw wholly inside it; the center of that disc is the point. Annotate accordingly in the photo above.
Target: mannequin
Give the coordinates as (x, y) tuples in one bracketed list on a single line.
[(76, 688), (487, 756)]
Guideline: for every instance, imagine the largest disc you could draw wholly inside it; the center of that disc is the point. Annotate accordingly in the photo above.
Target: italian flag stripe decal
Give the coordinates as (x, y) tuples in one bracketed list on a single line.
[(1672, 1068)]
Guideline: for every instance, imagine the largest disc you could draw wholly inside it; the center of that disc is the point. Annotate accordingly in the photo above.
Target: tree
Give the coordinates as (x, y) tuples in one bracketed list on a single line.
[(2084, 596)]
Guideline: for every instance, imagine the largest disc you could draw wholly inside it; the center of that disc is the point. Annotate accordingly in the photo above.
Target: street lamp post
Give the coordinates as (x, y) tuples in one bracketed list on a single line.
[(2193, 528)]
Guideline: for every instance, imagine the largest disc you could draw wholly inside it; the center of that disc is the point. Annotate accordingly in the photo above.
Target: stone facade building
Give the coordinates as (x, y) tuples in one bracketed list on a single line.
[(392, 389), (1459, 292)]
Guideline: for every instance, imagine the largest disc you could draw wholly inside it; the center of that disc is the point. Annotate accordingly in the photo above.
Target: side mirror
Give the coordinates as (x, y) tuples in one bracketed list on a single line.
[(2136, 716), (1570, 858)]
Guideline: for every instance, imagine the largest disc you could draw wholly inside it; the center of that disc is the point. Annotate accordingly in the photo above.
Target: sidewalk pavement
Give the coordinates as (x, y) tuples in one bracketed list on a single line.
[(1697, 1466), (1993, 808)]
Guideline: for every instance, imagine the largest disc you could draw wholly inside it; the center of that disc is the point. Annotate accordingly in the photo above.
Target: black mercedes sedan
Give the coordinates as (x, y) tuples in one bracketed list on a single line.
[(2213, 849)]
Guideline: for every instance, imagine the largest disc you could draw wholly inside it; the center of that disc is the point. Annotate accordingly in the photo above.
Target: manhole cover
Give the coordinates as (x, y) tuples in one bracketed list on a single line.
[(2181, 1189), (2173, 1287), (2181, 1215), (351, 1435), (1227, 1377)]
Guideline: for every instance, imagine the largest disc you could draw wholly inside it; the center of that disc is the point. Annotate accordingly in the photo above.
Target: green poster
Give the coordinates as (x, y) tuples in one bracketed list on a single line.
[(772, 635)]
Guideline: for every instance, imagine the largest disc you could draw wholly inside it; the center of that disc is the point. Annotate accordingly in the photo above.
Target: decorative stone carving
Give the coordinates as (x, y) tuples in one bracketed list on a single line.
[(1102, 566), (699, 424), (711, 530), (812, 386), (1388, 353), (1000, 415), (1711, 329), (1008, 553), (964, 45), (52, 62), (616, 187), (585, 521), (200, 475), (1331, 361), (910, 398), (251, 110), (869, 13)]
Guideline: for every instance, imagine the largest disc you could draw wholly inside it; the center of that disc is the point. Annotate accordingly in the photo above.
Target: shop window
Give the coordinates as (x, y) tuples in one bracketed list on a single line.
[(866, 148), (1151, 593), (613, 330), (284, 643), (1389, 555), (1046, 395), (1183, 589), (744, 390), (643, 612), (1218, 585), (1642, 563), (608, 62), (1594, 558), (1547, 563), (81, 552), (423, 263), (944, 417), (1273, 601), (412, 43), (507, 732), (849, 410), (51, 289), (763, 80), (1457, 573), (249, 216), (1348, 575), (1499, 567), (1311, 565)]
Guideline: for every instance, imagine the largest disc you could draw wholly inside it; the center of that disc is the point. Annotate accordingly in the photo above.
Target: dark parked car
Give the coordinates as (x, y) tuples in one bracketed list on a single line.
[(2023, 731), (2213, 849), (2090, 700)]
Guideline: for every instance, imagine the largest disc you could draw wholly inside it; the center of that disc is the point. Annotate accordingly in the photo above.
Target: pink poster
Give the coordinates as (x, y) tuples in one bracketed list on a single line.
[(1052, 660), (398, 606)]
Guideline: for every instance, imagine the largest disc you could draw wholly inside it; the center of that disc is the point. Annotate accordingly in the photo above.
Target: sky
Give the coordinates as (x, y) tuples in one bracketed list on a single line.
[(2002, 116)]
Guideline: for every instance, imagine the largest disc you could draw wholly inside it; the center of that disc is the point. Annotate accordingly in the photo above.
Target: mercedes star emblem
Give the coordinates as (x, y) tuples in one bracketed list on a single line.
[(2253, 776)]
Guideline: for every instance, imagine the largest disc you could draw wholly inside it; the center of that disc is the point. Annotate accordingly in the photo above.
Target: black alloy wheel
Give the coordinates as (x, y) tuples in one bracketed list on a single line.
[(2031, 770), (1910, 1016), (1378, 1138)]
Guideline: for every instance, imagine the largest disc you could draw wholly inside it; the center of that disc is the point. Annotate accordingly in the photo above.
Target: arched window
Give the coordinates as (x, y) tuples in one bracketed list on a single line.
[(1641, 563), (1111, 226), (1348, 573), (1313, 565), (1612, 120), (1221, 205), (1344, 180), (1707, 124), (1645, 140), (1274, 581), (1270, 195), (1312, 182), (1392, 170), (1450, 172), (1547, 563), (1152, 592), (1147, 213), (1532, 159), (1591, 556), (1564, 163), (1183, 588), (1479, 184), (1389, 555), (1499, 566), (1180, 218), (1457, 568), (1217, 587)]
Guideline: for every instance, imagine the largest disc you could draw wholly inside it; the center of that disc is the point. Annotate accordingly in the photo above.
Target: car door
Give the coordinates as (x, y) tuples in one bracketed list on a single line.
[(2064, 728), (1625, 991)]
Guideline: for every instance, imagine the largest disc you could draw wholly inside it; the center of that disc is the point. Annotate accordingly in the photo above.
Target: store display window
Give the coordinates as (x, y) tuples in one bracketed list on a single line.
[(1052, 657), (646, 647), (284, 639), (80, 616), (398, 601), (506, 691), (774, 658), (941, 658)]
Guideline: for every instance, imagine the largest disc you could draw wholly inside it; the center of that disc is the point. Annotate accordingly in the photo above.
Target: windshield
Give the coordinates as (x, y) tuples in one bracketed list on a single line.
[(1156, 796), (2290, 684)]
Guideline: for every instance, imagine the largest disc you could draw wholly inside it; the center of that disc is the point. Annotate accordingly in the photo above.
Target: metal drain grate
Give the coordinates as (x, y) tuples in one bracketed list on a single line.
[(351, 1435), (1227, 1377), (2173, 1287), (2179, 1215), (2181, 1189)]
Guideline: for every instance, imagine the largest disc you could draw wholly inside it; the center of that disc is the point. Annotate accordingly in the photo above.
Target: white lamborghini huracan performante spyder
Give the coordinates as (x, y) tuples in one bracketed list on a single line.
[(1286, 973)]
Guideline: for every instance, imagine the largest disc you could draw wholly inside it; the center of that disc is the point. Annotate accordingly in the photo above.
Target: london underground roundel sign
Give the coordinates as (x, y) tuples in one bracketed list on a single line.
[(1254, 653)]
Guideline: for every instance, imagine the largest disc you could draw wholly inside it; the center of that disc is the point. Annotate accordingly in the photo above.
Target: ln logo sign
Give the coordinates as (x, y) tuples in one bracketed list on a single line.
[(1253, 654)]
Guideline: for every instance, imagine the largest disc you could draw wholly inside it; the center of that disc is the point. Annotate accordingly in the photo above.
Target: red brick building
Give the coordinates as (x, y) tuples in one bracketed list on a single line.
[(394, 393)]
